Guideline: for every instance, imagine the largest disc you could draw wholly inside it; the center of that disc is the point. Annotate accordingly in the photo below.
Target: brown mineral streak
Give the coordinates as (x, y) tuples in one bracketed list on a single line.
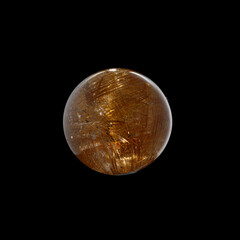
[(117, 122)]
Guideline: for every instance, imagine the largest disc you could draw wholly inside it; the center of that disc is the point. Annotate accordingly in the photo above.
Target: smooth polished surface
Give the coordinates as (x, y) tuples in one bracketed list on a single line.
[(117, 121)]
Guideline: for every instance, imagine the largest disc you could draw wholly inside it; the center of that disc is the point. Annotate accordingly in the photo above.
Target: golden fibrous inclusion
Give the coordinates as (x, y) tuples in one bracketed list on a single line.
[(117, 121)]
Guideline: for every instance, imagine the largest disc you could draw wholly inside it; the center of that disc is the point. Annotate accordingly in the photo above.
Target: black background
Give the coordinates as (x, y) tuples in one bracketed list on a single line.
[(51, 49), (170, 51), (167, 59)]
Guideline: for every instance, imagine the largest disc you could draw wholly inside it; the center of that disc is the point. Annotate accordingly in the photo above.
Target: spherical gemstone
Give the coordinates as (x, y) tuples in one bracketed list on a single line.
[(117, 121)]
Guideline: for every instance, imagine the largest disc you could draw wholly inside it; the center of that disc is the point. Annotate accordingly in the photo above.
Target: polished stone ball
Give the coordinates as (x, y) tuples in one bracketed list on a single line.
[(117, 121)]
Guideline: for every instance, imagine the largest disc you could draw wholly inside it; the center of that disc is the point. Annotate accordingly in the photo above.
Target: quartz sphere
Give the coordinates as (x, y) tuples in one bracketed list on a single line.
[(117, 121)]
